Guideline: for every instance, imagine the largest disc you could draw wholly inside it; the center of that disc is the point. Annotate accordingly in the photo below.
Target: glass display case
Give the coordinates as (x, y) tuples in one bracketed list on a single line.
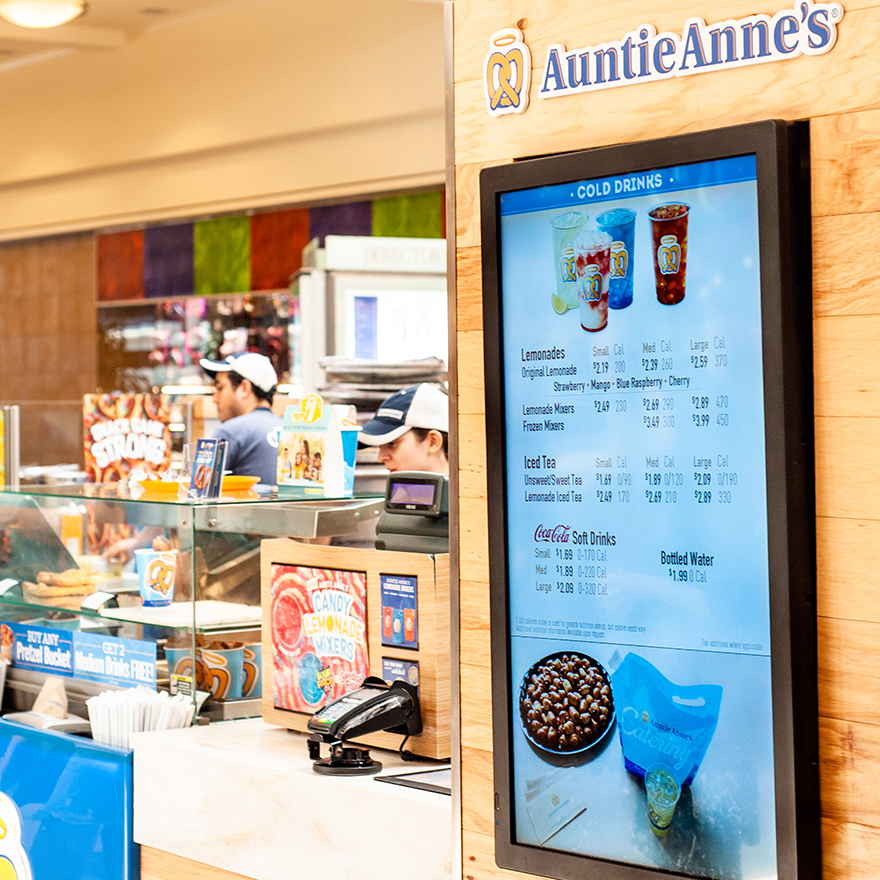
[(66, 563)]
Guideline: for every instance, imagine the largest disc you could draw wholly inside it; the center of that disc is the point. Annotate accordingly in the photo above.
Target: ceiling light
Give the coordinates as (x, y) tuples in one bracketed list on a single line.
[(41, 13)]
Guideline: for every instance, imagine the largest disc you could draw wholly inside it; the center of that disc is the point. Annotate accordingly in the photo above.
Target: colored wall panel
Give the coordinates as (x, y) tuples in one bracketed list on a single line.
[(352, 218), (221, 255), (168, 260), (120, 265), (418, 215), (277, 240)]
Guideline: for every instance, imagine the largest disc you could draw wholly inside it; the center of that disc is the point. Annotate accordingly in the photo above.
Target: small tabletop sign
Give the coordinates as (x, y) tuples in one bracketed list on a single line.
[(208, 464)]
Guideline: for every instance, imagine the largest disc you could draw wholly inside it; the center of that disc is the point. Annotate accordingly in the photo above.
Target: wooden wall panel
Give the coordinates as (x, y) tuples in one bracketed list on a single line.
[(841, 485), (846, 273), (850, 850), (847, 366), (48, 354), (847, 558), (846, 163), (840, 95)]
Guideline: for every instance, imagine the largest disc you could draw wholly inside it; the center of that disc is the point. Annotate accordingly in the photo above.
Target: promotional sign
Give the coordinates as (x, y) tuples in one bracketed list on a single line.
[(400, 616), (38, 648), (401, 670), (112, 660), (319, 635), (316, 449), (632, 576), (125, 431), (209, 461), (106, 659)]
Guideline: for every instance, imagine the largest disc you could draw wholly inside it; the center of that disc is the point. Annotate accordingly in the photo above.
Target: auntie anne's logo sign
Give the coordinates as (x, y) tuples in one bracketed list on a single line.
[(643, 55)]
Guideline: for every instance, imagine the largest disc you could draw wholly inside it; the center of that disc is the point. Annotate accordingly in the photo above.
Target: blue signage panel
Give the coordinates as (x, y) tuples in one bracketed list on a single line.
[(123, 662), (42, 649), (66, 806), (107, 659)]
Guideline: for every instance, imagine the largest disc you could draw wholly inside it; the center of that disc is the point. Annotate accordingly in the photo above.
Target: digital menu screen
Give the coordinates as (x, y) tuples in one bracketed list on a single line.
[(639, 657)]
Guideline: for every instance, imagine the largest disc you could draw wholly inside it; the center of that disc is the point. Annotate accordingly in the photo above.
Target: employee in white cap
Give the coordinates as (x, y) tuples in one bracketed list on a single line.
[(244, 387), (411, 429)]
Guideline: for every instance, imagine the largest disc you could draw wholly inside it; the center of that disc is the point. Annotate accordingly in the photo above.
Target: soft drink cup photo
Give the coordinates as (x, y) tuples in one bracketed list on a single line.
[(565, 229), (593, 254), (663, 794), (669, 236), (620, 224)]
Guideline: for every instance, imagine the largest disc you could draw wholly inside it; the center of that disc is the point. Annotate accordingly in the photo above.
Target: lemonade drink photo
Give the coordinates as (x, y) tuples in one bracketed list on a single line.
[(669, 237), (565, 229), (663, 794), (593, 263)]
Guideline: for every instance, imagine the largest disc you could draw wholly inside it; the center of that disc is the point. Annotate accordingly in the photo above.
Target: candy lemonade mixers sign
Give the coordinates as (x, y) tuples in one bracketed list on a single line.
[(635, 319), (319, 635)]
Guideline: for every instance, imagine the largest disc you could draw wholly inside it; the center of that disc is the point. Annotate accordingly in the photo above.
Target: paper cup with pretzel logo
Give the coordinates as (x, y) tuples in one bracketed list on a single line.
[(219, 671), (155, 569), (252, 685), (180, 670)]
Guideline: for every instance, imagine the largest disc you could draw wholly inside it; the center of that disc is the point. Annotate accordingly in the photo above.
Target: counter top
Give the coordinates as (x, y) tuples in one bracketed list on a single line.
[(242, 796)]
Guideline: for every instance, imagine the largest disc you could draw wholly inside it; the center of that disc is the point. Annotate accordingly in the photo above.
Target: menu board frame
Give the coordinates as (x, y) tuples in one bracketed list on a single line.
[(781, 152)]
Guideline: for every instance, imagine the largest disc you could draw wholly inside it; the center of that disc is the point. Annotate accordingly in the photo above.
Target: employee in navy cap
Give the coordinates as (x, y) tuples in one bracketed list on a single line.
[(244, 387), (411, 429)]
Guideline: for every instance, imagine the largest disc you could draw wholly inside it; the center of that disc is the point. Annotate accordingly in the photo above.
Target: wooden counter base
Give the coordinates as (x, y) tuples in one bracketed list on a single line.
[(158, 865)]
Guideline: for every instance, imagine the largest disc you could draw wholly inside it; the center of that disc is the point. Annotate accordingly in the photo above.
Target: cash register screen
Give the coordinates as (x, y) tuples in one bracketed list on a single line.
[(413, 495)]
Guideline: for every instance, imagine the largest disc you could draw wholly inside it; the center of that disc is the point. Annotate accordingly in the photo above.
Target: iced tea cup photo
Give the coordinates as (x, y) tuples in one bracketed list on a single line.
[(565, 229), (155, 570), (593, 253), (620, 224), (669, 237), (663, 794)]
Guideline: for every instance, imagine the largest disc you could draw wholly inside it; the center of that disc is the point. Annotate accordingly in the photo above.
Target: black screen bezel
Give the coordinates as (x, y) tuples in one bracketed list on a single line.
[(782, 157)]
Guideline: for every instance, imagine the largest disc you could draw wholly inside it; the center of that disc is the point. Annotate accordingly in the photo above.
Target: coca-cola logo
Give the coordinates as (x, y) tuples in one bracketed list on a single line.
[(552, 534)]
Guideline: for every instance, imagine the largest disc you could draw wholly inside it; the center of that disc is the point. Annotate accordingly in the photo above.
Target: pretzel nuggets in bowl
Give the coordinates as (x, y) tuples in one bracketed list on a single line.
[(565, 703)]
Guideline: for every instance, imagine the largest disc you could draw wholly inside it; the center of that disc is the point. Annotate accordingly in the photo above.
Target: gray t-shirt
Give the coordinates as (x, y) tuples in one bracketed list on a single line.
[(253, 444)]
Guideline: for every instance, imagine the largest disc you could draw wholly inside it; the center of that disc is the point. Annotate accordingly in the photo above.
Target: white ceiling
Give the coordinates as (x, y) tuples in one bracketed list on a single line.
[(107, 25)]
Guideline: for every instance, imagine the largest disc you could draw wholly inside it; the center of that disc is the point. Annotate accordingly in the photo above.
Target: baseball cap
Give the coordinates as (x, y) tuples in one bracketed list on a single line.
[(257, 368), (419, 406)]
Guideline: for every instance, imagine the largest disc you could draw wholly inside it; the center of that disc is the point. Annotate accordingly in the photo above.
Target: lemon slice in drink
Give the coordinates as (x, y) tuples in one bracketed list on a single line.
[(560, 306)]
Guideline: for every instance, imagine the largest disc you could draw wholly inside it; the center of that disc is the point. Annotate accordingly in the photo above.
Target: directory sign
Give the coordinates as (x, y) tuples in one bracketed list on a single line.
[(636, 544)]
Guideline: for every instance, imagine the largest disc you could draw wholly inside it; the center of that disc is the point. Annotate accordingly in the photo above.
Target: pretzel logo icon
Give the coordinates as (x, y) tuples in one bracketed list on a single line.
[(669, 255), (160, 574), (507, 73), (619, 259), (592, 284), (14, 862), (567, 265)]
